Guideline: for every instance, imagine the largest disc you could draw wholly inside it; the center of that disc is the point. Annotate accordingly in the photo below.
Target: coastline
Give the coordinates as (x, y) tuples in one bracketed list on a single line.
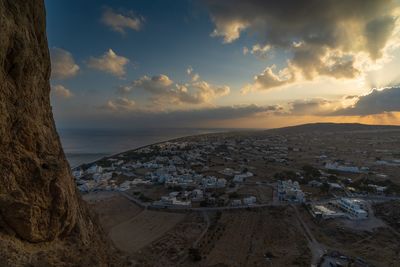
[(229, 131)]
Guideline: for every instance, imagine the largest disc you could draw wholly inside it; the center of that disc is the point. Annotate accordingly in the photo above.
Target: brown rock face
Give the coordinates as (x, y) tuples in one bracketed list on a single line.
[(37, 195), (43, 221)]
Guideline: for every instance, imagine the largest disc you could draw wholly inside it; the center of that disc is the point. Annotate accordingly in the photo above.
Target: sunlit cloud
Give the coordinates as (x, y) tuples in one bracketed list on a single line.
[(269, 79), (61, 91), (109, 62), (258, 50), (120, 104), (119, 22), (62, 64), (340, 39), (164, 92)]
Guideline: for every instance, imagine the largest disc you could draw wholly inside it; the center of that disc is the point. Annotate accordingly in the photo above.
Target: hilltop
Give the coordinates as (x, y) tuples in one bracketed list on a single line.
[(334, 127)]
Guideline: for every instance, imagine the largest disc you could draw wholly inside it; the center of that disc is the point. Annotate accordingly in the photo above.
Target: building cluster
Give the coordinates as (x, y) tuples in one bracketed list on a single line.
[(206, 170), (290, 191), (178, 166), (351, 208), (336, 166)]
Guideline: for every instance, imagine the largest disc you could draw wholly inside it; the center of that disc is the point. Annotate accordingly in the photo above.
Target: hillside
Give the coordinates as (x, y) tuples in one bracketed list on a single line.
[(334, 127)]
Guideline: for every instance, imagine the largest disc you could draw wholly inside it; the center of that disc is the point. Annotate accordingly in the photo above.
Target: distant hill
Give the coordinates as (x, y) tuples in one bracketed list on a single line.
[(334, 127)]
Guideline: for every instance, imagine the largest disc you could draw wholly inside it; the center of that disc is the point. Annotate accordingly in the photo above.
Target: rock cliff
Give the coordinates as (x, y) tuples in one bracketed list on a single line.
[(42, 219)]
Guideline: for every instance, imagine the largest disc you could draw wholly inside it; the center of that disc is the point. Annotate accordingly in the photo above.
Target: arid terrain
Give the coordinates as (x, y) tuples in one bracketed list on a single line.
[(269, 232)]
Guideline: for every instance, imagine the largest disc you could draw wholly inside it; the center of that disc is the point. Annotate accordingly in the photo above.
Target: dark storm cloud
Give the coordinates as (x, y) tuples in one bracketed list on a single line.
[(376, 102)]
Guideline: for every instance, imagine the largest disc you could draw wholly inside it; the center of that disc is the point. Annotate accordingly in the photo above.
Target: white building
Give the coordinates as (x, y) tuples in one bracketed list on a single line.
[(172, 201), (290, 191), (77, 173), (197, 195), (125, 186), (341, 168), (352, 207), (321, 211), (240, 178), (94, 169), (236, 202), (249, 200), (221, 183), (378, 189)]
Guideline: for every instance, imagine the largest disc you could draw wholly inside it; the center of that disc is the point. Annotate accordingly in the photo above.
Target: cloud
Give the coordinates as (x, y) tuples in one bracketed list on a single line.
[(189, 70), (115, 115), (325, 38), (120, 22), (194, 76), (376, 102), (316, 106), (269, 79), (164, 91), (61, 91), (157, 84), (258, 50), (351, 97), (230, 31), (109, 62), (62, 64), (120, 104)]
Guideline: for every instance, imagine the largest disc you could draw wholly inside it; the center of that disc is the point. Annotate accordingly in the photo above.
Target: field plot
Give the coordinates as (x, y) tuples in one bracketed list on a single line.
[(262, 193), (254, 238), (111, 208), (143, 229), (172, 248)]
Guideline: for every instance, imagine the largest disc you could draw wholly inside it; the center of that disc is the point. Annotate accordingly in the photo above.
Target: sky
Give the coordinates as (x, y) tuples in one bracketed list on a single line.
[(225, 63)]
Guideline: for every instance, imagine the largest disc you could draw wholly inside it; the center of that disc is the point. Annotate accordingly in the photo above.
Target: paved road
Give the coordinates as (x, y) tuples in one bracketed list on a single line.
[(201, 209)]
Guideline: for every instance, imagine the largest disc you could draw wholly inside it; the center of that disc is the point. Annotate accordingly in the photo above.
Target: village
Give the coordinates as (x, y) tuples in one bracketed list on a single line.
[(320, 182), (223, 171)]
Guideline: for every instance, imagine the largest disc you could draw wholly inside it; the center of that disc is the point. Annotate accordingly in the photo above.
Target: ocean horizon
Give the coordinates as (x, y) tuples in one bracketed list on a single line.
[(88, 145)]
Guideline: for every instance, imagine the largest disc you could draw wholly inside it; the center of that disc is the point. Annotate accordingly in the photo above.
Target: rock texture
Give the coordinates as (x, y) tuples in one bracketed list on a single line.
[(37, 195), (40, 210)]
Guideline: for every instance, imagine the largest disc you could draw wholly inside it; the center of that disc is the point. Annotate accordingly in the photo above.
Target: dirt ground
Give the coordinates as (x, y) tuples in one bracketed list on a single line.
[(379, 246), (111, 208), (172, 249), (254, 238), (389, 212), (129, 226), (142, 229), (262, 193)]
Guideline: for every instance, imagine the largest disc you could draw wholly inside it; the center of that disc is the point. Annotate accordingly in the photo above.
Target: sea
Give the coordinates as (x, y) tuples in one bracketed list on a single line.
[(88, 145)]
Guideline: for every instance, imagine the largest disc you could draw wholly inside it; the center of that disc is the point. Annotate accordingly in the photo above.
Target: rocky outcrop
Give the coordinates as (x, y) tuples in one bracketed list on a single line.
[(40, 210), (37, 196)]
